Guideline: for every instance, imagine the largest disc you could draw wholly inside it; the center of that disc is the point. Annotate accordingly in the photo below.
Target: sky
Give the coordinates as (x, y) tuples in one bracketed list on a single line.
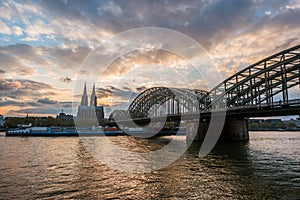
[(44, 43)]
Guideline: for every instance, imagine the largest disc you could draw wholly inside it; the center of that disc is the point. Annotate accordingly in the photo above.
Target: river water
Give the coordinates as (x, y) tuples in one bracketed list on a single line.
[(266, 167)]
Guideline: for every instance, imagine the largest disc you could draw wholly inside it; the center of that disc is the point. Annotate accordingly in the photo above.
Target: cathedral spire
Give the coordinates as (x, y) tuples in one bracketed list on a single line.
[(84, 90), (93, 101), (84, 98)]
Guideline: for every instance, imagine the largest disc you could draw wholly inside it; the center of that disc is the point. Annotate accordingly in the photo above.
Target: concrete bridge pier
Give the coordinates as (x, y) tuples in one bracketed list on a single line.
[(236, 130), (233, 130)]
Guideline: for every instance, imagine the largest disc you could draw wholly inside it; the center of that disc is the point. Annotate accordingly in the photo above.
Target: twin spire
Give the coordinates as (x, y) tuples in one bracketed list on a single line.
[(93, 101), (84, 98)]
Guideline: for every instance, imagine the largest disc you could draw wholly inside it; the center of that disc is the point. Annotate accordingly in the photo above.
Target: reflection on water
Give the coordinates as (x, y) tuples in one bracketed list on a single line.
[(268, 166)]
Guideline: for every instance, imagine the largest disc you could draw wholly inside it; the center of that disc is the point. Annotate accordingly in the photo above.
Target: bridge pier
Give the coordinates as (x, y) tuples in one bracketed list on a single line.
[(236, 130), (233, 130)]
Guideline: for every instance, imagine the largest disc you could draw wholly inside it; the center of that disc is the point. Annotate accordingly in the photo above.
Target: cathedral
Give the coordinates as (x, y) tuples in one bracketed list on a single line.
[(92, 110)]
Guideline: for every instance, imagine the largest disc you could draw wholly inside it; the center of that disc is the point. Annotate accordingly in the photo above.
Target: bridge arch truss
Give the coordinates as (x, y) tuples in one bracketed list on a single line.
[(259, 83), (263, 83), (158, 101)]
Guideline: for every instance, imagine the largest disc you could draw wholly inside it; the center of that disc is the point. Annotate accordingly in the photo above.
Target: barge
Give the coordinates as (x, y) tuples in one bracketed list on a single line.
[(59, 131)]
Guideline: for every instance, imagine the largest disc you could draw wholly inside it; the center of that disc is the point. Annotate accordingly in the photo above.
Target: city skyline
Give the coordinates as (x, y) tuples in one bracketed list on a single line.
[(43, 44)]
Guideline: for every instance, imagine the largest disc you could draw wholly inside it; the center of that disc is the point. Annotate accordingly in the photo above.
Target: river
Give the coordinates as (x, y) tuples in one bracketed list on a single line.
[(266, 167)]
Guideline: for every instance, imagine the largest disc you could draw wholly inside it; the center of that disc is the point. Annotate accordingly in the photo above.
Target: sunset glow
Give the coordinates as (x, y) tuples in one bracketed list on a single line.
[(44, 43)]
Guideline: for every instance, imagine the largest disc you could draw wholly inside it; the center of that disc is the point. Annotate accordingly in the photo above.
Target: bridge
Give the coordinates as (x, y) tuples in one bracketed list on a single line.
[(260, 90)]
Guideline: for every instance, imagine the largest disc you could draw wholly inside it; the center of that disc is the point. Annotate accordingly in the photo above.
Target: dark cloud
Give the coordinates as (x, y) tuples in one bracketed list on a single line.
[(140, 89), (120, 92), (68, 58), (126, 88), (73, 10), (68, 104), (38, 107), (13, 57), (28, 71), (207, 21), (287, 43), (8, 61), (32, 85), (79, 25), (104, 92), (20, 88), (84, 72), (21, 104), (9, 85), (35, 111), (20, 50), (66, 79), (33, 104), (109, 91), (12, 103), (201, 19), (46, 101)]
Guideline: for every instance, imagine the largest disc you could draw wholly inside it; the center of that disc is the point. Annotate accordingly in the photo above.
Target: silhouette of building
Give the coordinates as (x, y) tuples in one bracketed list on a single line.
[(1, 120), (64, 117), (92, 110)]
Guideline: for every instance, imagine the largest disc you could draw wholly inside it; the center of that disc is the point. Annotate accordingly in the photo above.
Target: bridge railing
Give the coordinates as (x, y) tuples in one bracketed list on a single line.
[(276, 104)]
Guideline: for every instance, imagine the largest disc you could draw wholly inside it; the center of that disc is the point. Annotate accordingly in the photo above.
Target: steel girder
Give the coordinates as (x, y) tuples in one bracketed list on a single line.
[(252, 86), (258, 83), (118, 115), (174, 100)]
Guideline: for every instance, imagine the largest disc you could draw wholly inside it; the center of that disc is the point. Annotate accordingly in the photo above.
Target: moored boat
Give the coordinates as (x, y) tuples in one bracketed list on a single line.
[(62, 131), (112, 131)]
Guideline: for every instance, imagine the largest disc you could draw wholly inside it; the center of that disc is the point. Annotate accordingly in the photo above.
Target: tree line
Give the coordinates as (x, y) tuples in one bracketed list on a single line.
[(13, 122)]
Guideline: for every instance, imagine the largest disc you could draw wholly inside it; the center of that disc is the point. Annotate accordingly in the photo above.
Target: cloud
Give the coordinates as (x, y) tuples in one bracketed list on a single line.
[(206, 21), (57, 36), (66, 58), (104, 92), (18, 31), (5, 11), (39, 107), (110, 7), (34, 111), (115, 96), (23, 89), (112, 91), (19, 59), (37, 28), (33, 85), (140, 89), (12, 103), (25, 60), (46, 101), (24, 72), (209, 22), (66, 79), (9, 85), (288, 43), (4, 28)]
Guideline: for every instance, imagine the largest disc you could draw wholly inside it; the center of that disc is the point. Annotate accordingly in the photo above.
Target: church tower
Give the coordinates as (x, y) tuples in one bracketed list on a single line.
[(92, 110), (93, 100), (84, 98)]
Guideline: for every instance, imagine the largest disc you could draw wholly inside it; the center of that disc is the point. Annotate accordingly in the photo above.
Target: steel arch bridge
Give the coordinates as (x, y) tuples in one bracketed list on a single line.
[(161, 100), (117, 115), (259, 83), (253, 87)]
